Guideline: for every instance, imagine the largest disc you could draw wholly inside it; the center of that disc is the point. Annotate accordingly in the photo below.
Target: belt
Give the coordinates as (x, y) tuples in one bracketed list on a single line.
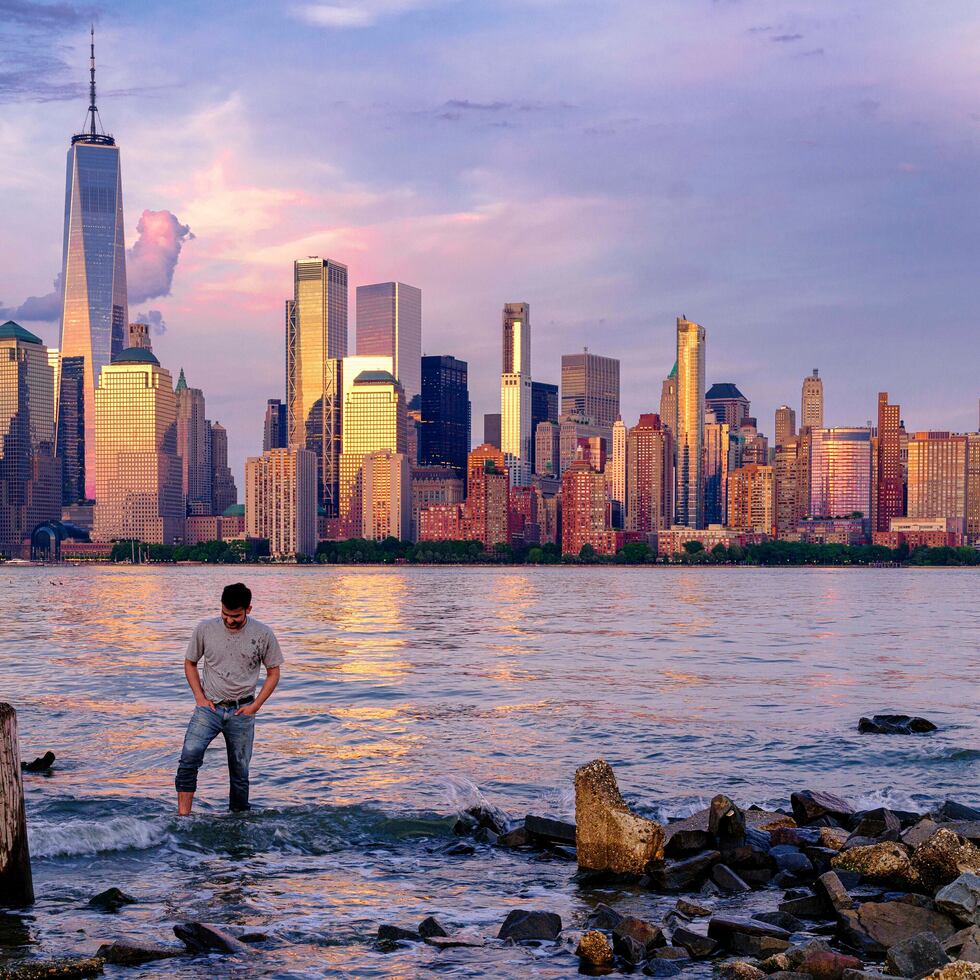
[(231, 703)]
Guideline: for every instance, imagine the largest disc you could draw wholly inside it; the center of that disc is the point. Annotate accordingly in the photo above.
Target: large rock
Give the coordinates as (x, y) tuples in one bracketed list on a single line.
[(810, 805), (965, 944), (944, 857), (64, 968), (748, 937), (951, 810), (430, 927), (961, 899), (521, 925), (830, 888), (111, 900), (825, 964), (603, 917), (697, 945), (957, 970), (124, 953), (919, 832), (877, 926), (727, 880), (887, 862), (608, 836), (550, 831), (725, 820), (739, 970), (880, 823), (647, 936), (201, 938), (896, 725), (916, 957), (594, 949)]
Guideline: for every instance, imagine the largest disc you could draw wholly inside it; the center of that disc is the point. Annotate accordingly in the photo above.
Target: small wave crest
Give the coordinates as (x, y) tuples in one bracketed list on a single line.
[(73, 838)]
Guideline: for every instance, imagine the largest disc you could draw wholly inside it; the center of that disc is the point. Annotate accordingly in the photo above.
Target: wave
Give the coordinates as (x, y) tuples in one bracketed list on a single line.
[(74, 838)]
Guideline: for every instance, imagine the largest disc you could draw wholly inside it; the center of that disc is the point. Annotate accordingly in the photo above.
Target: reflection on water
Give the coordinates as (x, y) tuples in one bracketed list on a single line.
[(404, 688)]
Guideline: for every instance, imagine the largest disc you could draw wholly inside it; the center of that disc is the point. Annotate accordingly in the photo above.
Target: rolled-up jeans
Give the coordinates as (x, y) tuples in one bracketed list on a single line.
[(239, 732)]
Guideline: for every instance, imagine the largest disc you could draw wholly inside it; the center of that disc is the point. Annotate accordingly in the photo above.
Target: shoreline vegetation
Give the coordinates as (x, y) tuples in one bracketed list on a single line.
[(391, 551)]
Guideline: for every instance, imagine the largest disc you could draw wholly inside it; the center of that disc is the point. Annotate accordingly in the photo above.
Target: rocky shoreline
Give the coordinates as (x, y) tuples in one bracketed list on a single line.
[(812, 891)]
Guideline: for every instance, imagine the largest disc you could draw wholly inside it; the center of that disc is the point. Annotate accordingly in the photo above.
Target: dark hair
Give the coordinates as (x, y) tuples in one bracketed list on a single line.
[(236, 596)]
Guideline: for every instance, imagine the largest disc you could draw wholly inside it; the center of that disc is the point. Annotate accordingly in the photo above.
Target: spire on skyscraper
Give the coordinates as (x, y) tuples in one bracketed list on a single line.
[(92, 131), (181, 382)]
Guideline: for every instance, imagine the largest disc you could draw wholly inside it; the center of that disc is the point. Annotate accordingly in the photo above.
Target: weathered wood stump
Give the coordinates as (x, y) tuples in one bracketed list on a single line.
[(16, 884)]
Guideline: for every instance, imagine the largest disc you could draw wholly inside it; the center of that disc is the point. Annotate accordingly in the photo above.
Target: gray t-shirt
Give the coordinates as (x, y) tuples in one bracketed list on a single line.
[(231, 658)]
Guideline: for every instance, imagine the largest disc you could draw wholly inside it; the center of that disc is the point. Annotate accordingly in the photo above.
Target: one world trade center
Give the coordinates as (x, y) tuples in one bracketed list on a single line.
[(95, 310)]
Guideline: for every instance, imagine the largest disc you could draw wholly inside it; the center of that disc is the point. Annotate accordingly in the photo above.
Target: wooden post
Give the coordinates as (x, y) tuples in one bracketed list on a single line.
[(16, 884)]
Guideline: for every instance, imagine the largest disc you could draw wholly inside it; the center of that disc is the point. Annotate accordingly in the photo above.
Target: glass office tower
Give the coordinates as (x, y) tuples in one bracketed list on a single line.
[(95, 310), (389, 323)]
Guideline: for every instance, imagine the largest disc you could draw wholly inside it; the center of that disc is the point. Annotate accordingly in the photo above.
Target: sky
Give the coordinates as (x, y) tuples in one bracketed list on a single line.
[(798, 177)]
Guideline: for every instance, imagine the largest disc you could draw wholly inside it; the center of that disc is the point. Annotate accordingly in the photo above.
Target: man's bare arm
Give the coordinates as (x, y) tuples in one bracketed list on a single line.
[(271, 680), (194, 681)]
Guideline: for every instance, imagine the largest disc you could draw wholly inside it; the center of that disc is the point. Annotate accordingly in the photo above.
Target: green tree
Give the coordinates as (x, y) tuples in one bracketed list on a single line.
[(693, 547)]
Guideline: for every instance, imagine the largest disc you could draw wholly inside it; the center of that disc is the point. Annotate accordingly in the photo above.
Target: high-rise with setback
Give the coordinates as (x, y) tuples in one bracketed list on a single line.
[(515, 393), (95, 309), (689, 495), (590, 387), (389, 322)]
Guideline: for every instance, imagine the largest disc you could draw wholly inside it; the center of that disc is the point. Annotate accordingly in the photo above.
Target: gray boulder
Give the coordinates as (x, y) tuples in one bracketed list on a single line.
[(961, 899), (916, 957)]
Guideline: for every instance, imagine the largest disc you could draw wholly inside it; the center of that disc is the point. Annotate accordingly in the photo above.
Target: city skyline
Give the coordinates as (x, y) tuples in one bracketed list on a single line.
[(881, 239)]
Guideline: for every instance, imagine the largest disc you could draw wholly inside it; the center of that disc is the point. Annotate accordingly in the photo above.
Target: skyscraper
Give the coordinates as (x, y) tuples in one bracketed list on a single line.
[(224, 492), (616, 472), (840, 472), (486, 512), (433, 486), (95, 308), (547, 459), (281, 500), (389, 322), (689, 496), (973, 487), (386, 496), (139, 484), (728, 403), (515, 393), (811, 403), (717, 466), (491, 428), (785, 425), (193, 446), (585, 511), (937, 476), (889, 485), (668, 403), (30, 481), (750, 499), (649, 476), (316, 339), (590, 387), (444, 432), (71, 429), (275, 431), (373, 420), (786, 514), (544, 408)]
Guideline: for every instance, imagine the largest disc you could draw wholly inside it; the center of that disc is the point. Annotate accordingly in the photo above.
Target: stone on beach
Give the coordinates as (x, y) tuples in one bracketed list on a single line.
[(111, 900), (469, 938), (430, 927), (830, 888), (884, 862), (63, 968), (521, 925), (389, 935), (810, 805), (725, 820), (603, 917), (825, 964), (648, 936), (518, 837), (201, 938), (896, 725), (961, 898), (916, 957), (875, 927), (880, 823), (739, 970), (125, 953), (727, 880), (696, 944), (748, 937), (957, 970), (42, 763), (693, 910), (943, 857), (594, 948), (550, 830), (609, 837), (686, 875)]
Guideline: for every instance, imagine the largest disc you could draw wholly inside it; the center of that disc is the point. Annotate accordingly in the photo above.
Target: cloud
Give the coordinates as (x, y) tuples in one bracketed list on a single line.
[(151, 262), (46, 308), (784, 38), (154, 320), (41, 15), (356, 13)]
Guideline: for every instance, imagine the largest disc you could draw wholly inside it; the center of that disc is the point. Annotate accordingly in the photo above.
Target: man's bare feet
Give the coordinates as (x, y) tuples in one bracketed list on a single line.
[(184, 803)]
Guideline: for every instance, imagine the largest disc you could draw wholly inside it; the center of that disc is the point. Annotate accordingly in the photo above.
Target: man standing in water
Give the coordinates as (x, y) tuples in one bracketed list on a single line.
[(231, 648)]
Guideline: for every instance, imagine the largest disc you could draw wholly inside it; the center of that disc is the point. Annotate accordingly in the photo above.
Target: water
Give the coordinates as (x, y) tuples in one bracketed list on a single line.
[(410, 692)]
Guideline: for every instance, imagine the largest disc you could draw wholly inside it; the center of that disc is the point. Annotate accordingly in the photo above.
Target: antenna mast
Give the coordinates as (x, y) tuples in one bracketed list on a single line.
[(91, 90)]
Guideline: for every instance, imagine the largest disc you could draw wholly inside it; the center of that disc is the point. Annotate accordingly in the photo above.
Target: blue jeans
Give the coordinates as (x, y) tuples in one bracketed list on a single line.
[(204, 726)]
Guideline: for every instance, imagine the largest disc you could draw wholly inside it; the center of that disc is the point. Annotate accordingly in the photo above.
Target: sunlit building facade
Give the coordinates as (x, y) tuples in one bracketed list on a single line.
[(193, 447), (374, 420), (717, 466), (590, 387), (840, 472), (139, 484), (889, 484), (433, 486), (515, 393), (386, 496), (689, 494), (572, 429), (585, 511), (616, 472), (316, 340), (649, 476), (750, 499), (973, 487), (389, 323), (30, 479), (785, 425), (486, 513), (224, 490), (281, 500), (668, 403), (786, 513), (95, 307), (728, 403), (811, 401), (547, 458), (938, 464)]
